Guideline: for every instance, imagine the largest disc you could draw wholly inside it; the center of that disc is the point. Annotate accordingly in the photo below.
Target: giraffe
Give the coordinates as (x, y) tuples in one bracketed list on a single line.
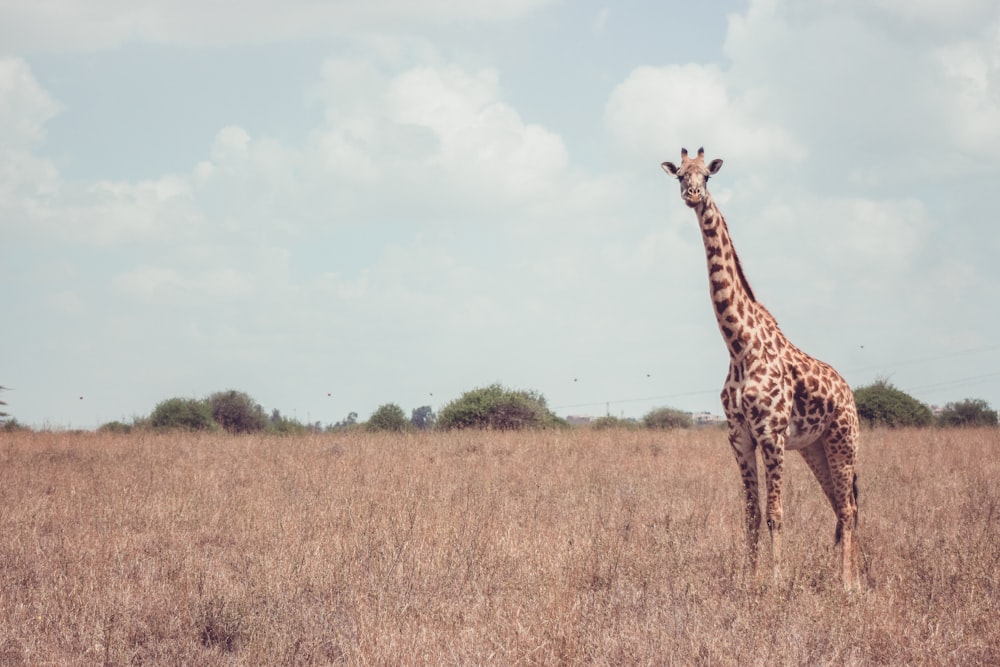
[(775, 397)]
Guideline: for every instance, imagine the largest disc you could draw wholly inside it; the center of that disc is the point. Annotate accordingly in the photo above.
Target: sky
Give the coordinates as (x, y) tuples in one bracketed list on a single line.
[(337, 205)]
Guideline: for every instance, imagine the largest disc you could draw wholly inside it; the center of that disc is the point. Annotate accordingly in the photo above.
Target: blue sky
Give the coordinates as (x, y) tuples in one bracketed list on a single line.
[(332, 206)]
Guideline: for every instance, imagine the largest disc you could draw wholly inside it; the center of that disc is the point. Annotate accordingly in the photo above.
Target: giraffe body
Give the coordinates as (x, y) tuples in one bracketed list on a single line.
[(775, 397)]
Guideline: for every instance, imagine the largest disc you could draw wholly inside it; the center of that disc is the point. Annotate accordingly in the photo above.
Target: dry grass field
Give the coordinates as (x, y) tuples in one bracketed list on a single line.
[(576, 547)]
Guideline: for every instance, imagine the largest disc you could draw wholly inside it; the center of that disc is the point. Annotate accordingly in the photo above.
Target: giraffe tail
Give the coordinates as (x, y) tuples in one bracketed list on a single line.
[(856, 507)]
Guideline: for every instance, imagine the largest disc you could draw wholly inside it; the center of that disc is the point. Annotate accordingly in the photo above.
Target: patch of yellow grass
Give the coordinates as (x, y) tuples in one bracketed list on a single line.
[(608, 547)]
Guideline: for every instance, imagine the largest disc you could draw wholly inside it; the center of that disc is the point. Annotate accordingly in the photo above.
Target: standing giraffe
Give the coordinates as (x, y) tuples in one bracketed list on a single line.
[(776, 397)]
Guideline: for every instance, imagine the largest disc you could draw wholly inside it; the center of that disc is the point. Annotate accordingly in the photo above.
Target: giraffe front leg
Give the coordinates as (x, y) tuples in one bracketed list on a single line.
[(772, 449), (746, 459)]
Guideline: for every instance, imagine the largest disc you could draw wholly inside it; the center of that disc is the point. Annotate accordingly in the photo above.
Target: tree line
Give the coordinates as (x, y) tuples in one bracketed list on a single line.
[(496, 407)]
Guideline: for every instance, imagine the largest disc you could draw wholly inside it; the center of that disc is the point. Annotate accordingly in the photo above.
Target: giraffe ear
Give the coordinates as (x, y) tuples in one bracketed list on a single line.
[(670, 168), (714, 166)]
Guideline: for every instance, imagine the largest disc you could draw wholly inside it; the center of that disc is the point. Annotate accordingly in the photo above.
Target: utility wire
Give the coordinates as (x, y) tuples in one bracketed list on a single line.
[(975, 379)]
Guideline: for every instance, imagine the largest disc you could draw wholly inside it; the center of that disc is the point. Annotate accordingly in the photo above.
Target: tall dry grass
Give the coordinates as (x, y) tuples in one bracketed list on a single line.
[(575, 547)]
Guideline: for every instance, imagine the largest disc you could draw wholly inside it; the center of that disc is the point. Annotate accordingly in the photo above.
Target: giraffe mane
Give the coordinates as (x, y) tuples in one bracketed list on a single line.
[(743, 278)]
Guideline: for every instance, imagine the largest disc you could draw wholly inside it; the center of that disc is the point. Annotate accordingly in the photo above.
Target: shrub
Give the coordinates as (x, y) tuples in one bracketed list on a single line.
[(608, 422), (12, 426), (666, 418), (388, 417), (182, 413), (114, 427), (970, 412), (496, 407), (881, 404), (236, 412), (282, 425)]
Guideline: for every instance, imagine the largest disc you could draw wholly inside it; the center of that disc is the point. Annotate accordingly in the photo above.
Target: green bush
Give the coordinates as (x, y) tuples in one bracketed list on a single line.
[(115, 427), (12, 426), (236, 412), (666, 418), (881, 404), (609, 422), (970, 412), (282, 425), (499, 408), (182, 413), (389, 417)]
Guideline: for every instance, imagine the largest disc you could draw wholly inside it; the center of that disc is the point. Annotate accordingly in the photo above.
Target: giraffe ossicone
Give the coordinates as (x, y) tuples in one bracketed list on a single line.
[(775, 397)]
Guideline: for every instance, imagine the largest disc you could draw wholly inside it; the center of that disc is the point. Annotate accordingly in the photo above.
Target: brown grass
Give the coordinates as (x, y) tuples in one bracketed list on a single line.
[(577, 547)]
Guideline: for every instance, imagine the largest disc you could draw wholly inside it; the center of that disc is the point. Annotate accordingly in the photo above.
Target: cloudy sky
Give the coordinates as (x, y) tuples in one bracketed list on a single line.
[(336, 205)]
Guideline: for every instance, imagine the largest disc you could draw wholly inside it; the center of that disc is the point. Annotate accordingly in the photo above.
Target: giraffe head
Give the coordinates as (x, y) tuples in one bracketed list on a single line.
[(693, 175)]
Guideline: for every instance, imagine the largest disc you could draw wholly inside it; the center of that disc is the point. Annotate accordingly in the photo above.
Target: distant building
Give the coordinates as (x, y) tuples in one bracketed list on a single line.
[(707, 419)]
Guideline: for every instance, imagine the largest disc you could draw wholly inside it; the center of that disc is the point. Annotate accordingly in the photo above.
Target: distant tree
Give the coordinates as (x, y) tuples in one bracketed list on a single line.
[(3, 415), (496, 407), (350, 421), (422, 418), (236, 412), (881, 404), (970, 412), (389, 417), (182, 413), (667, 418)]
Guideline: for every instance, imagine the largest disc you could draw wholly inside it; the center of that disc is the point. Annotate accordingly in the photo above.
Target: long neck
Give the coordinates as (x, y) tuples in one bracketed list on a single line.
[(732, 299)]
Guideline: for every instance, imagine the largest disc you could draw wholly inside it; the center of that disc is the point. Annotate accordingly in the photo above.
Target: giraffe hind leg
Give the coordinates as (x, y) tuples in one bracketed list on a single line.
[(815, 458), (842, 503), (854, 492)]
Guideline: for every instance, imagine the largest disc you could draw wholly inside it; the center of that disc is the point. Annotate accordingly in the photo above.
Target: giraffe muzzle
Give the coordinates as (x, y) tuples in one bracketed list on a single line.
[(693, 196)]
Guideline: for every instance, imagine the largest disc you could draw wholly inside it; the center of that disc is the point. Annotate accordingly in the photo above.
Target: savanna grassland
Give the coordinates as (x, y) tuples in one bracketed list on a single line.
[(568, 547)]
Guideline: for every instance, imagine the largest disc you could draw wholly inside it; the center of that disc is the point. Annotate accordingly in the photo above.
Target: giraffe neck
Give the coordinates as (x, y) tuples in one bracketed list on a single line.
[(732, 298)]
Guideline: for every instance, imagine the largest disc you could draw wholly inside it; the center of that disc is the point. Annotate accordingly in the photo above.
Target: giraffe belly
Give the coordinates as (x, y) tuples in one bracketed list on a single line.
[(804, 429), (800, 439)]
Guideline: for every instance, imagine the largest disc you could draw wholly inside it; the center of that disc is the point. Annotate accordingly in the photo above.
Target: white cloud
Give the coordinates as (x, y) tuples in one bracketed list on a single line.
[(482, 143), (165, 285), (27, 181), (890, 106), (972, 72), (658, 110), (601, 21), (874, 240), (25, 106), (428, 145), (66, 25), (231, 145)]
